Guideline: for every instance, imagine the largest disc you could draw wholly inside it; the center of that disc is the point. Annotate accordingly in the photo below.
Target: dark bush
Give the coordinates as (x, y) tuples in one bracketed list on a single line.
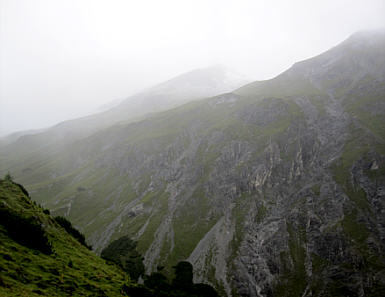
[(80, 189), (25, 231), (182, 284), (183, 275), (123, 253), (138, 291), (62, 221), (204, 290), (157, 281), (46, 211), (8, 177), (22, 189), (2, 283)]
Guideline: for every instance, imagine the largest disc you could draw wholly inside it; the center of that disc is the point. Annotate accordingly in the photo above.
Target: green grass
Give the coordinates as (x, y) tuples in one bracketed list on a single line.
[(355, 230), (261, 213), (319, 265), (239, 213), (155, 219), (282, 86), (316, 189), (131, 225), (28, 272), (190, 224), (293, 279)]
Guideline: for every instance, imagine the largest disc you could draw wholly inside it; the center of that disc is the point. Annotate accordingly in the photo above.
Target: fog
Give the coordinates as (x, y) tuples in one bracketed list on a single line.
[(64, 59)]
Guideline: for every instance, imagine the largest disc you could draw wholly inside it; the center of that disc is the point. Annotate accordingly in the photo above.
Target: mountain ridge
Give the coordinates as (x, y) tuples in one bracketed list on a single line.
[(188, 86)]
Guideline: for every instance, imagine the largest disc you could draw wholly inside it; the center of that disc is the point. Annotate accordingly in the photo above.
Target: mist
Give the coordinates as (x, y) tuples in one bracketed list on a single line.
[(64, 59)]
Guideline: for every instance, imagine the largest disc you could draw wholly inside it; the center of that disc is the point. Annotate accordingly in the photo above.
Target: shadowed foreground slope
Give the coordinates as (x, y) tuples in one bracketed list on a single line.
[(48, 262)]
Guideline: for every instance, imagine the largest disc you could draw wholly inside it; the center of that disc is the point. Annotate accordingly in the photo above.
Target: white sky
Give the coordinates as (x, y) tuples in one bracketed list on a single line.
[(62, 59)]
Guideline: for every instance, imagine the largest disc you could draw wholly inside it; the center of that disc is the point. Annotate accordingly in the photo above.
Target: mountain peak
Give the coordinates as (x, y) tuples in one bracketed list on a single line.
[(359, 56), (195, 84), (203, 82)]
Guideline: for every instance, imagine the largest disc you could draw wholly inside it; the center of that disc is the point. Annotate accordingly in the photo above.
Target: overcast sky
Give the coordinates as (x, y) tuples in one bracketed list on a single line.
[(60, 59)]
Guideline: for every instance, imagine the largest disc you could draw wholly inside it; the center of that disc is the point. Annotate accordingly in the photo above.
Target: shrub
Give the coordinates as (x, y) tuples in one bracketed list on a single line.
[(8, 177), (183, 275), (22, 189), (25, 231), (157, 281), (62, 221), (123, 252), (204, 290), (137, 291), (182, 284)]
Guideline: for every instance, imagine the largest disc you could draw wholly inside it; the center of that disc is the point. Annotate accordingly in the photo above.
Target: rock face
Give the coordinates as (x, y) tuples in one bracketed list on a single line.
[(275, 189)]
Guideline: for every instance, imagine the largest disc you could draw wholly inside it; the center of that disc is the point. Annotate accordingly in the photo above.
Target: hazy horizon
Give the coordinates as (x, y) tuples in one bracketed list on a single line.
[(63, 59)]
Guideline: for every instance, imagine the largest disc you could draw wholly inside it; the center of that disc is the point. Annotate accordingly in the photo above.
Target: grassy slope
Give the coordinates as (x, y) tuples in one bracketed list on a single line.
[(70, 270)]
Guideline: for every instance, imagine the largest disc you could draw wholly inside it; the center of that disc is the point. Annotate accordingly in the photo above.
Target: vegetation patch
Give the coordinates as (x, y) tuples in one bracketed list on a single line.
[(25, 231), (161, 204), (356, 231), (190, 224), (38, 258), (62, 221), (293, 279), (123, 253)]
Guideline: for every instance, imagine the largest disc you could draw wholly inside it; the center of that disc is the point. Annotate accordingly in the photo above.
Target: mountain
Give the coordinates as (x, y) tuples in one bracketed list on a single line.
[(274, 189)]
